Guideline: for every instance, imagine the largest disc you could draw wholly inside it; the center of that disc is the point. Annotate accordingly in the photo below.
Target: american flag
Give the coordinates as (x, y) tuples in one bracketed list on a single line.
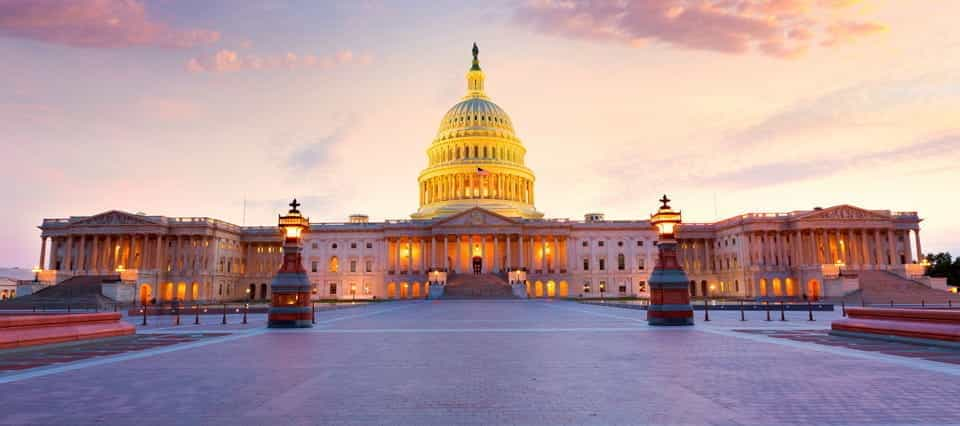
[(482, 172)]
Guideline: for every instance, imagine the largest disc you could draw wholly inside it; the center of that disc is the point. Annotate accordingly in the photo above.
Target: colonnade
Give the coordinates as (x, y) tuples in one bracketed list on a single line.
[(853, 247), (460, 186), (496, 252)]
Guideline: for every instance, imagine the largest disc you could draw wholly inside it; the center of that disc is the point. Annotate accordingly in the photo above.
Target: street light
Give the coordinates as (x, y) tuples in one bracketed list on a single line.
[(669, 291), (840, 266)]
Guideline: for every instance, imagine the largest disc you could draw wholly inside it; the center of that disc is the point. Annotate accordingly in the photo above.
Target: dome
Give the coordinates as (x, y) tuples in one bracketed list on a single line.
[(475, 116), (476, 160)]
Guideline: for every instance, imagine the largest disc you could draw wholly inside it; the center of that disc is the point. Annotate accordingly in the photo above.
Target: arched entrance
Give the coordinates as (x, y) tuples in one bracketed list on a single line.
[(777, 287), (263, 291), (538, 289), (146, 293), (416, 290), (551, 289), (181, 291), (564, 289), (813, 290), (404, 290), (791, 287), (763, 287), (392, 291), (252, 292), (195, 291), (703, 288), (693, 288), (167, 292), (477, 265)]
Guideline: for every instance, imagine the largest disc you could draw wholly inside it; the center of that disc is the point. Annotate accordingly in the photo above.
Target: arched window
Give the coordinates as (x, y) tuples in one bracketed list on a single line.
[(334, 265)]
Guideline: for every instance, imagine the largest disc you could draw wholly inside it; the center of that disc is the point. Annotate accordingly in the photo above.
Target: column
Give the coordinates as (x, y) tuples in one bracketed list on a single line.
[(423, 261), (446, 251), (520, 243), (456, 262), (157, 259), (82, 260), (483, 253), (892, 248), (509, 258), (43, 251), (916, 236), (907, 251), (67, 261), (396, 255), (496, 258), (433, 248), (865, 247)]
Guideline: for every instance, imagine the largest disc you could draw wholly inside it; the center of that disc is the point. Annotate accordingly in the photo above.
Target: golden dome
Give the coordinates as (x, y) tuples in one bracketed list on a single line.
[(476, 160)]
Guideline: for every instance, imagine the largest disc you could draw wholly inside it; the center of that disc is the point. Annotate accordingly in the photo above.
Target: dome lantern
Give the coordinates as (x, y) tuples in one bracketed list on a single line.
[(475, 77)]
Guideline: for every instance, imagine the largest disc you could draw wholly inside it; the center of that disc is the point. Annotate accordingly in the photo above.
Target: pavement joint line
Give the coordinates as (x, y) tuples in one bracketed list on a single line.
[(598, 314), (468, 330), (368, 314), (111, 359), (921, 364)]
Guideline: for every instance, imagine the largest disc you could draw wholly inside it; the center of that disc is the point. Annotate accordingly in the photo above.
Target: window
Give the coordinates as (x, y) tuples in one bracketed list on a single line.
[(369, 266), (621, 262), (369, 245), (333, 288), (584, 244), (602, 265), (314, 245), (639, 243), (640, 263), (333, 246), (619, 243), (623, 288), (353, 245), (353, 266), (586, 264), (600, 243), (586, 287), (334, 265), (313, 266), (603, 286)]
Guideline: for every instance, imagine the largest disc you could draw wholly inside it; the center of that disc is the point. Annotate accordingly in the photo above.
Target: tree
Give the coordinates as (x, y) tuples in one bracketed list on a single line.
[(943, 265)]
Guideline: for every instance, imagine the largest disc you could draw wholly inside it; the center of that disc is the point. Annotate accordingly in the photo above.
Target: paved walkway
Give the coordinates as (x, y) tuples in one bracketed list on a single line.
[(479, 362)]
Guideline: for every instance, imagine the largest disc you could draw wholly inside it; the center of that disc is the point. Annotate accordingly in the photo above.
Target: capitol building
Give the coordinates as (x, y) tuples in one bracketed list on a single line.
[(477, 227)]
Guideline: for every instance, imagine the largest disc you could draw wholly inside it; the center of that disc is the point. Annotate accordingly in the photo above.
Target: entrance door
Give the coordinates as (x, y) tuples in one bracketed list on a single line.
[(477, 265)]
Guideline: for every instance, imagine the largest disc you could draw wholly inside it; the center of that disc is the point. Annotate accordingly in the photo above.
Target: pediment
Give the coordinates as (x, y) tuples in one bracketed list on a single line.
[(115, 217), (475, 217), (844, 212)]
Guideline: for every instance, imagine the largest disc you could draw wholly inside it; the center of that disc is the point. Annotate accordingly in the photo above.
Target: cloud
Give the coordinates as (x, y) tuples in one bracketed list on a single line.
[(94, 24), (309, 156), (775, 173), (778, 28), (226, 60)]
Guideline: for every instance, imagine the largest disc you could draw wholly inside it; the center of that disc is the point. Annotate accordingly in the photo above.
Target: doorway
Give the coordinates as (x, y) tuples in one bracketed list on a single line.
[(477, 265)]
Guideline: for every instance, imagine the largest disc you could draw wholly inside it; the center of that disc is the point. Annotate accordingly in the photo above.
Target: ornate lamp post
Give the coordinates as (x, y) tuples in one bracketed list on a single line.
[(290, 300), (669, 287)]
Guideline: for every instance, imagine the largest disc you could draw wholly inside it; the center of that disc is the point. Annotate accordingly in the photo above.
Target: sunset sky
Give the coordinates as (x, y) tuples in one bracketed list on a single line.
[(190, 107)]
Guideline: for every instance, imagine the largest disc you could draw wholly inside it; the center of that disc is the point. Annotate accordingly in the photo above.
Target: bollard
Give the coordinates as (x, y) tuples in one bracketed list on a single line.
[(224, 321), (923, 303), (313, 313), (706, 310), (809, 311), (843, 309), (783, 312), (246, 307), (68, 308), (742, 316), (196, 317), (144, 310), (766, 304), (891, 303), (115, 307), (949, 304), (177, 312), (34, 308)]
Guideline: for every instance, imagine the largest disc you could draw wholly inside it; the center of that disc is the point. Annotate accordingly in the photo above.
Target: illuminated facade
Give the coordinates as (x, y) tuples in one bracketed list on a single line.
[(476, 215)]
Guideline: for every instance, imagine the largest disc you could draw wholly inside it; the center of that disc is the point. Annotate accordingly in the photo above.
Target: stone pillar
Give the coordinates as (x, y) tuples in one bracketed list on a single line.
[(509, 258), (456, 262), (543, 253), (483, 253), (82, 259), (157, 259), (396, 255), (496, 258), (67, 256), (865, 247), (916, 236), (520, 243), (907, 250), (892, 248), (43, 252), (446, 251)]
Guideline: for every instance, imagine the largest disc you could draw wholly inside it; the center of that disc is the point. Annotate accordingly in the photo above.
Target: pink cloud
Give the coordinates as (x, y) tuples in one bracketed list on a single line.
[(780, 28), (226, 60), (93, 23)]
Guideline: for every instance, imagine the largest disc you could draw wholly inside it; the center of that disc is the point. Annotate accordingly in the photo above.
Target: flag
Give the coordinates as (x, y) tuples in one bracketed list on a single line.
[(482, 172)]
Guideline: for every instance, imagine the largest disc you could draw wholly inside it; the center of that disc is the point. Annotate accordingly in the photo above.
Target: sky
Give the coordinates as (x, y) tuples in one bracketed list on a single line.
[(228, 109)]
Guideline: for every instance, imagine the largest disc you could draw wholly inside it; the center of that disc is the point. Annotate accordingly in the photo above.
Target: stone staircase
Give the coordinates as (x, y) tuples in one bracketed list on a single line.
[(83, 292), (469, 286), (880, 287)]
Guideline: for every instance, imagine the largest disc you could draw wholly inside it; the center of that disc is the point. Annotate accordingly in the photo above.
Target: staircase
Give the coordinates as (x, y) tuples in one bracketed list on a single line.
[(78, 292), (880, 287), (469, 286)]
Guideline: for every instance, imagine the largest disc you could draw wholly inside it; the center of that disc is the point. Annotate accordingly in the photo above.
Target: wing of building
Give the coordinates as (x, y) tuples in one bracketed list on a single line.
[(477, 221)]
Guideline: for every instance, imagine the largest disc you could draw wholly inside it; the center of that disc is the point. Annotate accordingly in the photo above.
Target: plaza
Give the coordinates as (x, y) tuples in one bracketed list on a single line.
[(485, 362)]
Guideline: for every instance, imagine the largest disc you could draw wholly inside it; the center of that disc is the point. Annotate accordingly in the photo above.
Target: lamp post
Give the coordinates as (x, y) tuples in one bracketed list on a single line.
[(840, 266), (290, 288), (669, 286)]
